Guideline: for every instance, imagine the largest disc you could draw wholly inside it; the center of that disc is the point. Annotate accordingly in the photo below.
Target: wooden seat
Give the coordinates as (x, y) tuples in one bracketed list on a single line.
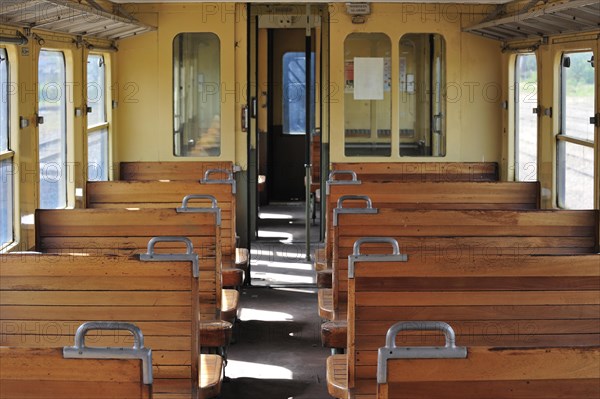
[(172, 170), (458, 235), (211, 375), (45, 373), (501, 301), (409, 194), (230, 305), (421, 171), (337, 376), (491, 373), (325, 300), (45, 297)]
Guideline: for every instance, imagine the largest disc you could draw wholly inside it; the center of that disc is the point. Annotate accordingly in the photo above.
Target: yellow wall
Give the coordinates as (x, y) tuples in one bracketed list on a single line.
[(146, 65), (473, 76)]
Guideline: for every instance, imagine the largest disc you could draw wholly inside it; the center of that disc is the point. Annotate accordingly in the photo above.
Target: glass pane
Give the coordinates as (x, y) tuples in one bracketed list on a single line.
[(98, 155), (421, 93), (4, 143), (6, 203), (578, 95), (196, 97), (575, 176), (96, 90), (525, 120), (52, 139), (294, 93), (367, 95)]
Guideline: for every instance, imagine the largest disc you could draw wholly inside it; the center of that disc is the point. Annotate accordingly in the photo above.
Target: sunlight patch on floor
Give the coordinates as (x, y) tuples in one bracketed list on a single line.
[(264, 315), (236, 368), (284, 265), (278, 216)]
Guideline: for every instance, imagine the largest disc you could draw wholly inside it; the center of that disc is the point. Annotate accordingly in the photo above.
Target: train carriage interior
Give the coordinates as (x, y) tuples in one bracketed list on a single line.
[(300, 199)]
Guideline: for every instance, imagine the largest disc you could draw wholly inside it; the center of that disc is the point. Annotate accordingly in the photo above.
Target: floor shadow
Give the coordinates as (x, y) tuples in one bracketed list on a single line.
[(254, 388)]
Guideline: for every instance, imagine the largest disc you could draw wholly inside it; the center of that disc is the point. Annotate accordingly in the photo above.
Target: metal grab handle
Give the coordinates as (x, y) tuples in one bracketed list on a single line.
[(365, 198), (138, 351), (155, 240), (214, 205), (189, 255), (187, 198), (334, 173), (138, 337), (390, 337), (212, 171), (391, 351), (229, 180), (376, 240)]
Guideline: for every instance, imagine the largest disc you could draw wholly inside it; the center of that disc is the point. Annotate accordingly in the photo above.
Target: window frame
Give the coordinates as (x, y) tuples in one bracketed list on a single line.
[(562, 136), (518, 166), (65, 132), (99, 127), (9, 155), (285, 99)]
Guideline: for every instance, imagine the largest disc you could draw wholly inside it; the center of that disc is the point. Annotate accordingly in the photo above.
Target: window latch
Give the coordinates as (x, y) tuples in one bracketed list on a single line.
[(537, 110), (39, 120), (595, 120)]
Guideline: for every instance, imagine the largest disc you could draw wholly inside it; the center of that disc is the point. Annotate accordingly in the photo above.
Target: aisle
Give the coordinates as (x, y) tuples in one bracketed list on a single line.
[(278, 354)]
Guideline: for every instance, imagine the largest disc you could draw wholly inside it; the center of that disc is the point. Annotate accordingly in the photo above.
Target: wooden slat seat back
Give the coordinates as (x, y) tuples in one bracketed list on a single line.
[(489, 372), (124, 232), (43, 373), (459, 234), (157, 194), (44, 298), (169, 170), (504, 301), (421, 171), (434, 195), (315, 159)]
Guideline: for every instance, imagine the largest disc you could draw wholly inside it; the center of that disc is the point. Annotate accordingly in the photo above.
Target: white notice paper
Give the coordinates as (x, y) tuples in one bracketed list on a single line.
[(368, 78)]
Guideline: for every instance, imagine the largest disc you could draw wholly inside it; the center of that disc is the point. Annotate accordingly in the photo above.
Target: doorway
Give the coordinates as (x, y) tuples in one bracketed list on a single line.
[(281, 141)]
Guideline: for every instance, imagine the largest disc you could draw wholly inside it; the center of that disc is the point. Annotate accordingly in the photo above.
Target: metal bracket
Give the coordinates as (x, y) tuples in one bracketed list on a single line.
[(138, 351), (334, 173), (369, 210), (213, 209), (391, 351), (151, 256), (229, 180), (356, 256)]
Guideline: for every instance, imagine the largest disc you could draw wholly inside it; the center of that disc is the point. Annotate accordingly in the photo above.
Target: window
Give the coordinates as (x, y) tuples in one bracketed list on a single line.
[(294, 93), (421, 93), (575, 141), (97, 120), (367, 95), (196, 95), (526, 122), (52, 129), (6, 159)]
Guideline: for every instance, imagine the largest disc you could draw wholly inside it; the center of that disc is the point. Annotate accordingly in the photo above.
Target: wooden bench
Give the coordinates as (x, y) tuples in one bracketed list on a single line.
[(157, 194), (93, 373), (484, 372), (172, 170), (354, 173), (208, 174), (459, 233), (430, 195), (127, 232), (45, 297), (517, 300), (421, 171)]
